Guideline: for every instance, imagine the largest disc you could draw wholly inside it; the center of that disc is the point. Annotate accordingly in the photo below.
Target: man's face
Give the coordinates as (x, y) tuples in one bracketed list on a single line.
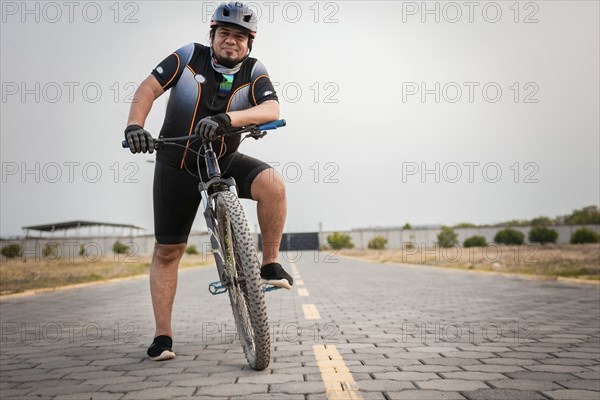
[(230, 44)]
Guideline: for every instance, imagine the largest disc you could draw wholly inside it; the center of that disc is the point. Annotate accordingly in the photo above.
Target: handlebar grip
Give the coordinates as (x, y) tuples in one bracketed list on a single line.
[(125, 144), (272, 125)]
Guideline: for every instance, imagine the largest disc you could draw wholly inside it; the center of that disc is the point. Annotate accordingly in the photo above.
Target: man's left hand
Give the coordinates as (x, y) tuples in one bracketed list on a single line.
[(209, 128)]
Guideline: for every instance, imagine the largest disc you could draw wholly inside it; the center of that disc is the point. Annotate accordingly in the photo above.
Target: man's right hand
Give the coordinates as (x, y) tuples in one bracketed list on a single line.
[(139, 139)]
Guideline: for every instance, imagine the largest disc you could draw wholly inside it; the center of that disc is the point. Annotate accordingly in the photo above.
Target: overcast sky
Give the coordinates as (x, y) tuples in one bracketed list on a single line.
[(498, 101)]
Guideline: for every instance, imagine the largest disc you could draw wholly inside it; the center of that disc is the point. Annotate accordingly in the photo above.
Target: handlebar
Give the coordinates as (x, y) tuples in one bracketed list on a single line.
[(255, 131)]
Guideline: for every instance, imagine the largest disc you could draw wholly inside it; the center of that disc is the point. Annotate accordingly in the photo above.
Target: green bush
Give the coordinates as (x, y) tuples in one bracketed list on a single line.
[(191, 249), (509, 237), (82, 251), (120, 248), (542, 235), (339, 241), (407, 226), (51, 250), (447, 237), (11, 250), (581, 235), (378, 243), (475, 241)]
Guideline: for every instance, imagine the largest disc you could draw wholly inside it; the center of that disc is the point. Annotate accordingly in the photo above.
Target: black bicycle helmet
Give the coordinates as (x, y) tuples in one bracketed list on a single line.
[(235, 13)]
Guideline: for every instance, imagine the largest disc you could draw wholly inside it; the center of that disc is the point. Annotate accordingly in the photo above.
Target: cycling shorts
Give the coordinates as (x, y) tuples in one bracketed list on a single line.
[(176, 195)]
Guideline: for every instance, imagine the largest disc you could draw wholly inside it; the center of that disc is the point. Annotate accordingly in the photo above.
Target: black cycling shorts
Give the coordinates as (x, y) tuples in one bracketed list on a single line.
[(176, 195)]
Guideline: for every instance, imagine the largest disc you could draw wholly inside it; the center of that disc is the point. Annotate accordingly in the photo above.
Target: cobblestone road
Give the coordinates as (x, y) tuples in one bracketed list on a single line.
[(349, 329)]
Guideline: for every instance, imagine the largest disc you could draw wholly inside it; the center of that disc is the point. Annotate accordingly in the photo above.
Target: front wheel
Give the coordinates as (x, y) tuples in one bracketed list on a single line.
[(245, 287)]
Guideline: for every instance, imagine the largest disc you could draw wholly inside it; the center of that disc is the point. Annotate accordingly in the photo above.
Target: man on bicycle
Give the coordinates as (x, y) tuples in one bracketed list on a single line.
[(212, 88)]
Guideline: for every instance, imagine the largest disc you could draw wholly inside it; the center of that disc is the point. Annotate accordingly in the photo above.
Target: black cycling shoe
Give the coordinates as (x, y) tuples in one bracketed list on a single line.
[(274, 274), (160, 349)]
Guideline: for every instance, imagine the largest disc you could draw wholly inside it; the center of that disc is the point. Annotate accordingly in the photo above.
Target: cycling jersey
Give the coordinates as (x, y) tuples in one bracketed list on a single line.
[(198, 91)]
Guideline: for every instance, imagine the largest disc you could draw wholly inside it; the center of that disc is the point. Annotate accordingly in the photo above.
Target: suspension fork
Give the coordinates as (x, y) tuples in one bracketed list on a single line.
[(209, 207)]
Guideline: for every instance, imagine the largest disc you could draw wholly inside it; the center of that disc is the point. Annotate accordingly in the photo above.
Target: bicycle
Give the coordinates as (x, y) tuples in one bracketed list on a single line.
[(233, 246)]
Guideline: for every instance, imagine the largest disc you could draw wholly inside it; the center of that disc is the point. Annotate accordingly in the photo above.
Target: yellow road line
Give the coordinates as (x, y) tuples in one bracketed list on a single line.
[(310, 311), (302, 292), (339, 383)]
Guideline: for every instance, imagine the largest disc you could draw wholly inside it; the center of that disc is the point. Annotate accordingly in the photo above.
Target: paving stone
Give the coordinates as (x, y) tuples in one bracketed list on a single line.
[(587, 374), (510, 361), (272, 396), (483, 348), (432, 349), (49, 383), (13, 393), (424, 395), (503, 394), (431, 368), (383, 385), (406, 376), (570, 361), (473, 375), (298, 387), (395, 362), (271, 378), (160, 393), (94, 375), (132, 386), (90, 396), (452, 361), (113, 380), (585, 384), (573, 354), (523, 384), (540, 376), (494, 368), (567, 394), (154, 371), (64, 389), (454, 385), (175, 377)]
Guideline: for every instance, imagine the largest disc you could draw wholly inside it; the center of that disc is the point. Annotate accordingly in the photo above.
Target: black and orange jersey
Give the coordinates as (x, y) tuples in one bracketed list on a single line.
[(198, 91)]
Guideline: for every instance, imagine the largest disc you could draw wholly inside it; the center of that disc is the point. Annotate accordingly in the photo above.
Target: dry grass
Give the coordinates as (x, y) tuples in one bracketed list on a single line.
[(575, 261), (18, 276)]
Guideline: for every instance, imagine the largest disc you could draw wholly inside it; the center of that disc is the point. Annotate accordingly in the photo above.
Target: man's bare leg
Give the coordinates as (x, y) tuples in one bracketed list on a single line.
[(268, 189), (163, 284)]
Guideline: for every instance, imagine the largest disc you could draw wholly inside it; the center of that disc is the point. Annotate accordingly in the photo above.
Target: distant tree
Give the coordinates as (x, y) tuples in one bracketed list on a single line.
[(541, 221), (586, 215), (378, 243), (339, 241), (407, 226), (120, 248), (447, 237), (464, 225)]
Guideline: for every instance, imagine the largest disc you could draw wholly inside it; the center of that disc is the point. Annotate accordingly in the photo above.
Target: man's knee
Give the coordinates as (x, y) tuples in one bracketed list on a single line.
[(269, 183), (168, 253)]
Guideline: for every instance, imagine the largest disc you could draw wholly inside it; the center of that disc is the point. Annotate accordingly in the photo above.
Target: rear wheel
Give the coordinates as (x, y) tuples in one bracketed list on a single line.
[(245, 287)]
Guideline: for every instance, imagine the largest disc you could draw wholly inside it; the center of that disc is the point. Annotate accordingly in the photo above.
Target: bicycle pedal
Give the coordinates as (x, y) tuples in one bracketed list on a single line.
[(270, 288), (216, 288)]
